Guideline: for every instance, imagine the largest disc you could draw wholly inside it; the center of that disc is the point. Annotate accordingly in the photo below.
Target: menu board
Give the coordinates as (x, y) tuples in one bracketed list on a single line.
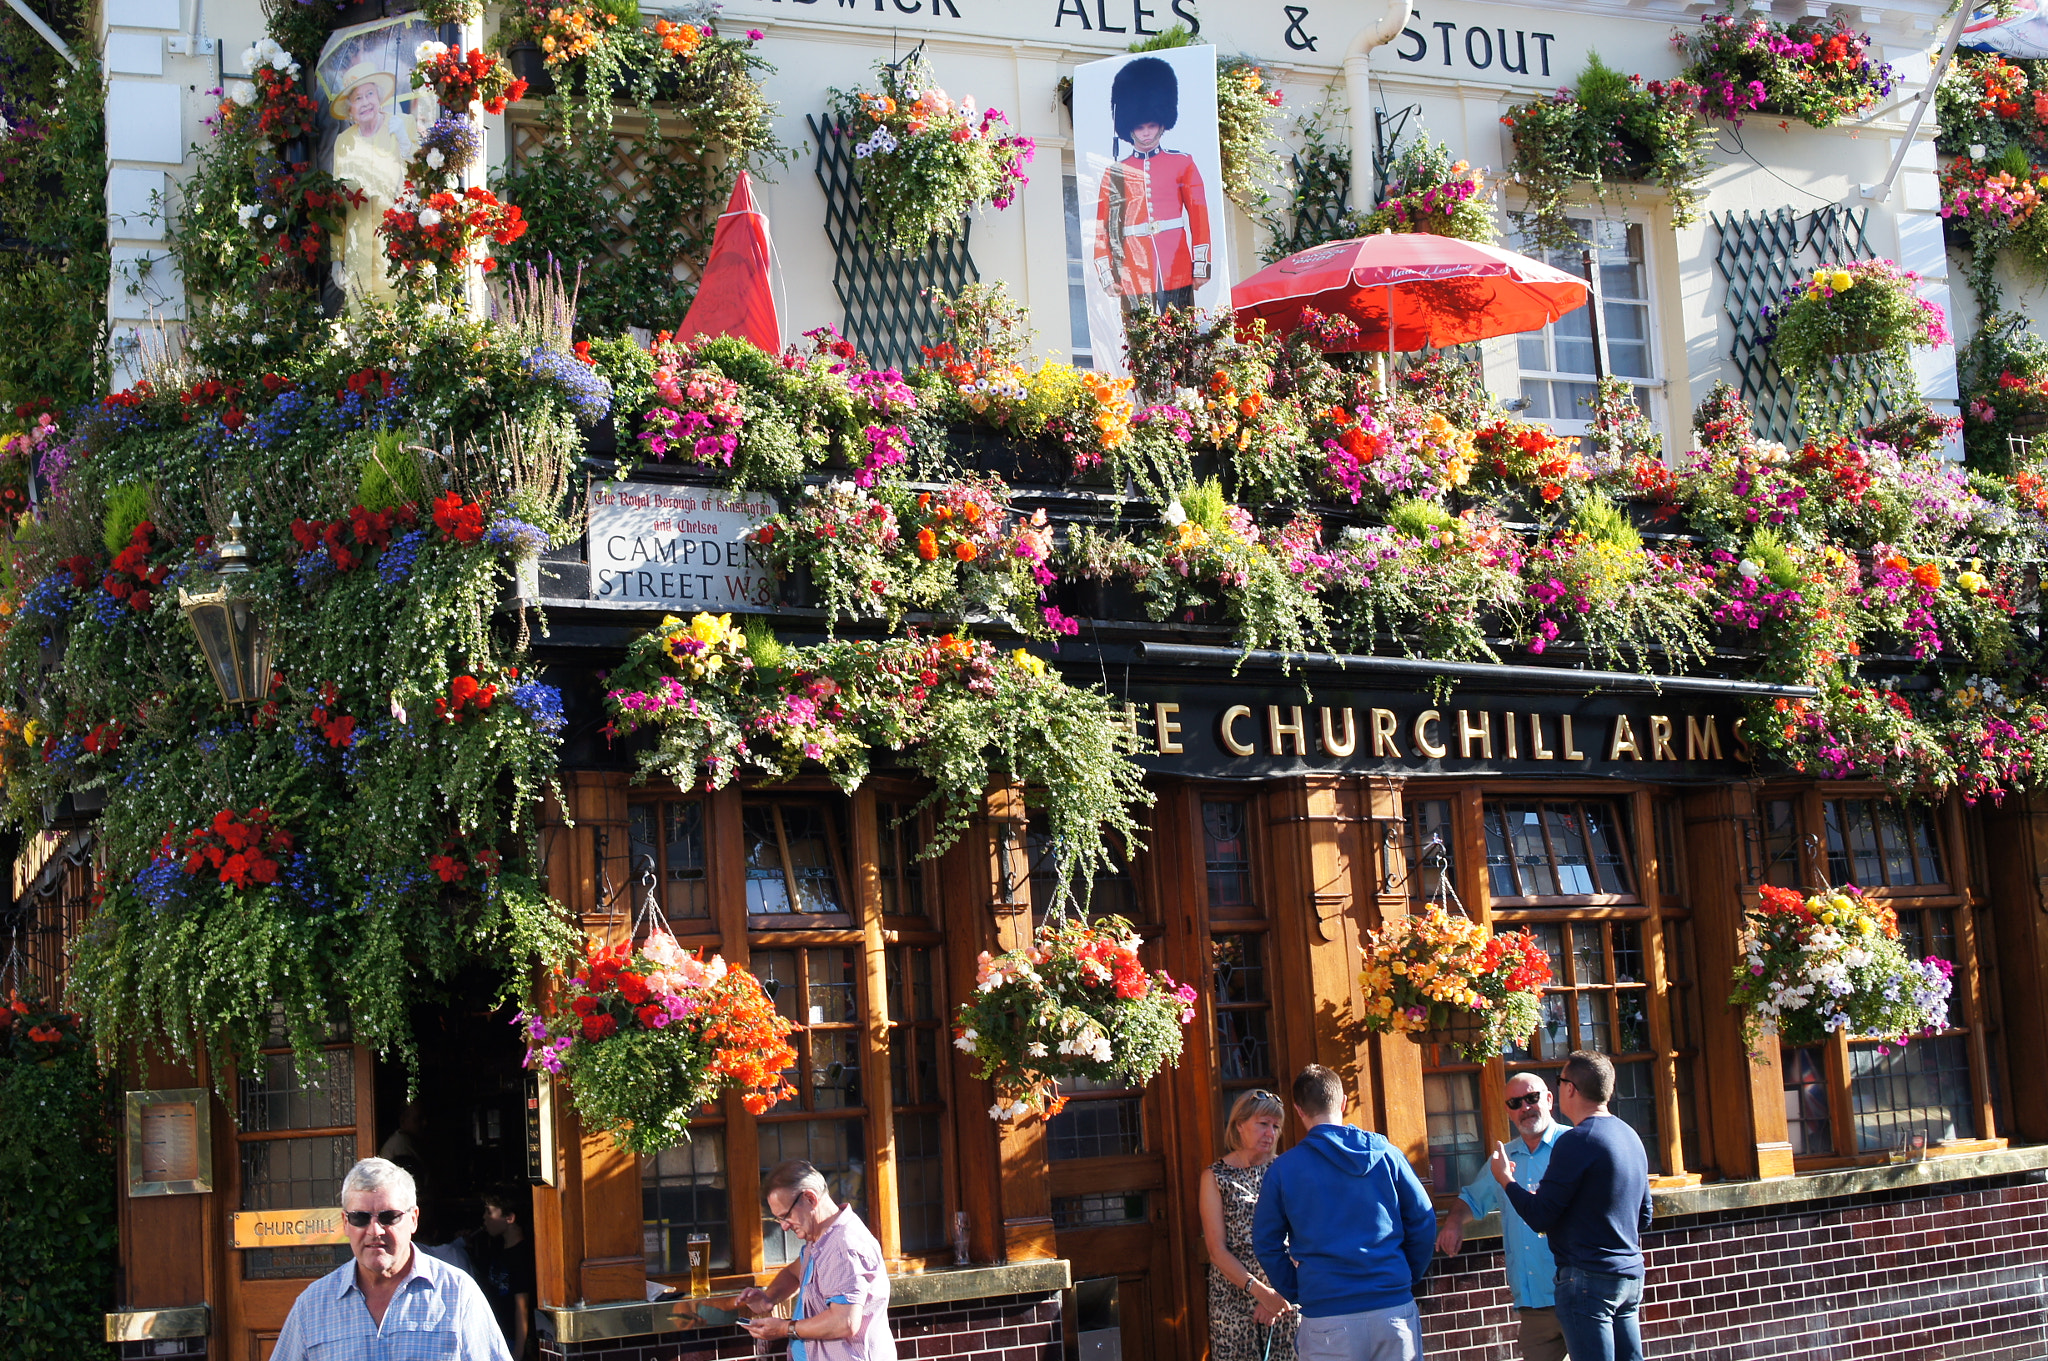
[(170, 1142)]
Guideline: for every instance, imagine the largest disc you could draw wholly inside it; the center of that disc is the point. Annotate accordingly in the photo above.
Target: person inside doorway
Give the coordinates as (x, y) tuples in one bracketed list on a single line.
[(1152, 218), (503, 1255)]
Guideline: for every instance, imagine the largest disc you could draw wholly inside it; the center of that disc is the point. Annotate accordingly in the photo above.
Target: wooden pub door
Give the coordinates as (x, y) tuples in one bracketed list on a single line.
[(297, 1130)]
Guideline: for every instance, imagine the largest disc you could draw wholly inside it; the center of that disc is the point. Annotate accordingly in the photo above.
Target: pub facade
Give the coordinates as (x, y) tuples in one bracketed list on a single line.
[(1850, 1196)]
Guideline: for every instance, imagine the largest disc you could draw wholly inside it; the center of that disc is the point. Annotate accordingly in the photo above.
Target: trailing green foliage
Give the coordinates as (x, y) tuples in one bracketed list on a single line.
[(57, 1185), (53, 214)]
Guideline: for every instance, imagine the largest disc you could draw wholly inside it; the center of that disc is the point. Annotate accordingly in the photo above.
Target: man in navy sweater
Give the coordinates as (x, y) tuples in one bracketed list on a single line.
[(1345, 1230), (1593, 1203)]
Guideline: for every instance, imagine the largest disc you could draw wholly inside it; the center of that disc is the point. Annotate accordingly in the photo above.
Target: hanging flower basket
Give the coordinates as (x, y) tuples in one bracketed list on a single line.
[(924, 160), (1833, 961), (1076, 1002), (1441, 978), (1459, 1027), (648, 1035), (1860, 340)]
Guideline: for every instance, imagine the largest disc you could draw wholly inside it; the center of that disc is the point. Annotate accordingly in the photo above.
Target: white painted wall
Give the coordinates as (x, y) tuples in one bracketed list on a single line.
[(1012, 53)]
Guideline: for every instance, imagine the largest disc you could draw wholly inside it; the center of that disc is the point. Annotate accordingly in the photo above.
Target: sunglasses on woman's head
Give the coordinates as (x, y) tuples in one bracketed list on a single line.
[(1516, 1103), (360, 1219)]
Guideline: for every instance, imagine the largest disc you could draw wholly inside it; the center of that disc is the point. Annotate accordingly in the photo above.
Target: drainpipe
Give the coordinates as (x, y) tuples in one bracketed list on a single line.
[(1358, 93)]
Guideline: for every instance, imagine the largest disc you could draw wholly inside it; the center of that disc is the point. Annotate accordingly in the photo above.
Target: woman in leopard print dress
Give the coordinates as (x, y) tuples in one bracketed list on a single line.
[(1239, 1294)]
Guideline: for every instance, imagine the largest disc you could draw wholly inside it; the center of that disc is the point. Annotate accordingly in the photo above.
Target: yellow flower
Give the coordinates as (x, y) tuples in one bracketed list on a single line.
[(32, 731), (1841, 281), (1399, 966), (1972, 582), (712, 630), (1027, 663)]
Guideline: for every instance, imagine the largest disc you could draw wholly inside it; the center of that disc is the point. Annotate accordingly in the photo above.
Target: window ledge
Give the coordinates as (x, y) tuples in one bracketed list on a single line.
[(637, 1318), (1936, 1169)]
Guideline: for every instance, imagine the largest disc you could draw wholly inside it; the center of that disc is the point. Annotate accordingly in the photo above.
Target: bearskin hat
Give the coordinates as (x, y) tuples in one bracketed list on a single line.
[(1144, 91)]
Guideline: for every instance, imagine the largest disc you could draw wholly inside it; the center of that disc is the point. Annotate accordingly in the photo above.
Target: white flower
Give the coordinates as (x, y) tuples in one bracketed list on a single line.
[(436, 310), (1036, 1051), (435, 160), (1175, 513), (1750, 568), (966, 1041), (428, 51), (397, 709), (998, 1111), (840, 487), (270, 222), (428, 269), (247, 213), (259, 339), (430, 217), (243, 93)]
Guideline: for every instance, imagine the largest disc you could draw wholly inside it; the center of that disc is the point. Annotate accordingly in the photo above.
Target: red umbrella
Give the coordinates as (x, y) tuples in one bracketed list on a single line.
[(1421, 289), (733, 297)]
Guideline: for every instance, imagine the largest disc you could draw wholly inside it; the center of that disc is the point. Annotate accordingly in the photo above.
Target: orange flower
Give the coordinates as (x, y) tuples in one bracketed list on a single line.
[(964, 551), (1928, 576), (927, 545)]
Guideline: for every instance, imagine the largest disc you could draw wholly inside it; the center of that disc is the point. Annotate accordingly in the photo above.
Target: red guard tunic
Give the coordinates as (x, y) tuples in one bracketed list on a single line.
[(1154, 218)]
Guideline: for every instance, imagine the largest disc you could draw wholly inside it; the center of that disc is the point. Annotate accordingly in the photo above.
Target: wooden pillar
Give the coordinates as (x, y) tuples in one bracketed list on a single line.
[(1005, 1186), (876, 1083), (2018, 883), (558, 1209), (1327, 879), (1747, 1110)]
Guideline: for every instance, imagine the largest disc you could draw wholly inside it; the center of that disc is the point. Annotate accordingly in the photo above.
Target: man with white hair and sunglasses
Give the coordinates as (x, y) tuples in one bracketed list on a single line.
[(389, 1302)]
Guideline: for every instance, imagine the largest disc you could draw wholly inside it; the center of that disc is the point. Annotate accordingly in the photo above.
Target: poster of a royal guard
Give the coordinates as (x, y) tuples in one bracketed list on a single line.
[(1151, 171), (371, 119)]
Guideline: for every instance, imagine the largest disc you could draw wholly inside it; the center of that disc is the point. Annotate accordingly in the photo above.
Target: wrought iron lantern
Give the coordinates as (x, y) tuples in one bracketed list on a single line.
[(231, 629)]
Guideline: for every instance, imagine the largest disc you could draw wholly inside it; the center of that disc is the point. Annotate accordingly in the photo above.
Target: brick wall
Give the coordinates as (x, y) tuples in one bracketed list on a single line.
[(1009, 1328), (1890, 1274)]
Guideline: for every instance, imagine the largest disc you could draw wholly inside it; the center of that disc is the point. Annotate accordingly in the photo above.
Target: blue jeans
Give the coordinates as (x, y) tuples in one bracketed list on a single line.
[(1597, 1312)]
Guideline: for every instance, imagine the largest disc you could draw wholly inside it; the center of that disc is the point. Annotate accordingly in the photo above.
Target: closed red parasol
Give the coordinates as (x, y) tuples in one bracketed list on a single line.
[(1415, 288), (733, 296)]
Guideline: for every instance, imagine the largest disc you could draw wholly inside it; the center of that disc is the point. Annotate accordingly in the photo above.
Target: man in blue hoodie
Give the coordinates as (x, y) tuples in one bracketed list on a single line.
[(1345, 1230)]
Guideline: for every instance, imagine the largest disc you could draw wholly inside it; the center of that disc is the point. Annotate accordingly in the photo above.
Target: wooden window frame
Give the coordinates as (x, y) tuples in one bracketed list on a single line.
[(1632, 863), (1651, 907), (739, 935), (1967, 1009)]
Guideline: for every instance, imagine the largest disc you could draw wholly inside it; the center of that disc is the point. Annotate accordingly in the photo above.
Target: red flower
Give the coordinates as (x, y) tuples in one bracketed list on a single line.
[(459, 520), (599, 1027), (583, 1006), (634, 988)]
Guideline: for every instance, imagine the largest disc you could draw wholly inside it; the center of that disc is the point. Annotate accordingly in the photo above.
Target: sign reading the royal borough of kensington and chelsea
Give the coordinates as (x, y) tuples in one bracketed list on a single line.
[(683, 547)]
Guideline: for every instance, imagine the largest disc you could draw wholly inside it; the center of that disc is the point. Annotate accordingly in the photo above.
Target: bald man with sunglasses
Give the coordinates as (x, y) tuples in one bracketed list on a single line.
[(1531, 1269), (389, 1301)]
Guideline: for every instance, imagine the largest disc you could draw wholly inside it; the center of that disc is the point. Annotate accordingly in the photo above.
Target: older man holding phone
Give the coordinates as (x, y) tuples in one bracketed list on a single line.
[(841, 1287)]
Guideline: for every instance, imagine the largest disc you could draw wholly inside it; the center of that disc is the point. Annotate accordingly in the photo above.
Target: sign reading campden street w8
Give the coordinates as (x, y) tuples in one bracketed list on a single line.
[(1251, 732), (683, 547)]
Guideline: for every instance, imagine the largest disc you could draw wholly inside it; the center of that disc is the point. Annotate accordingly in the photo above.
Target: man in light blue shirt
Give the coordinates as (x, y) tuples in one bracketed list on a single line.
[(1531, 1269), (389, 1302)]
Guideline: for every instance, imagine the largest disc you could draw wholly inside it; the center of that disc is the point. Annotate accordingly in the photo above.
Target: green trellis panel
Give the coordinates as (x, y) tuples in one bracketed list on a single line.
[(1759, 256), (883, 292)]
